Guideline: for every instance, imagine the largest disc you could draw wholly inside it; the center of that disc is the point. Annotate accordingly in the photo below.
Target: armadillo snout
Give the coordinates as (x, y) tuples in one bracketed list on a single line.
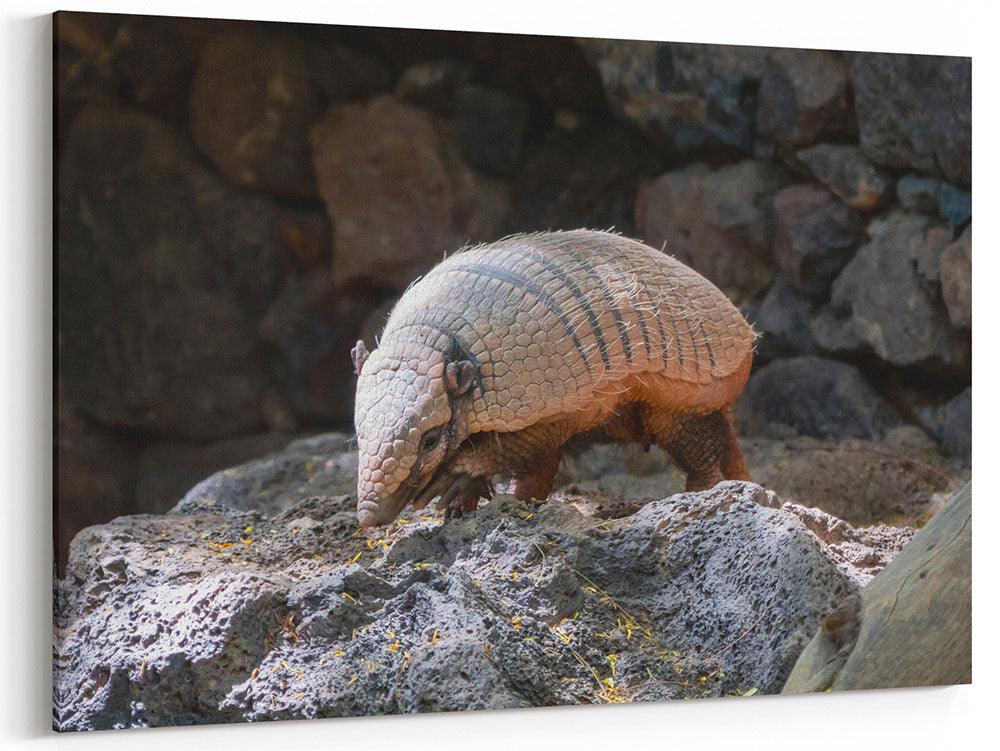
[(373, 514)]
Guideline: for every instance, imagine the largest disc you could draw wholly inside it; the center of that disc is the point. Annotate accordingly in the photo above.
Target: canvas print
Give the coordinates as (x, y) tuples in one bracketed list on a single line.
[(408, 371)]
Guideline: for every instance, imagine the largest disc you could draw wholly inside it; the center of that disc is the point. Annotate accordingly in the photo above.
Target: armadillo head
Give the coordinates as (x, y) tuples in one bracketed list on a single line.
[(408, 418)]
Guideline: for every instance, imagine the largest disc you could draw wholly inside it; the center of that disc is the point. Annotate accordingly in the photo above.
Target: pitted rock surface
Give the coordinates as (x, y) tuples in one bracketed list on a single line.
[(218, 615)]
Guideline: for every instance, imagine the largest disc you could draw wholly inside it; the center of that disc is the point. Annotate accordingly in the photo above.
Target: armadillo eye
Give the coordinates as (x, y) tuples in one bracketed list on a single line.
[(430, 439)]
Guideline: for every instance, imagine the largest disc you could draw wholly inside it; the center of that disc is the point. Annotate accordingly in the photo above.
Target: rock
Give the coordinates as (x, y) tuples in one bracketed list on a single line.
[(307, 332), (805, 98), (693, 97), (491, 128), (928, 195), (254, 97), (374, 323), (955, 205), (887, 300), (167, 470), (305, 233), (162, 270), (398, 192), (719, 222), (709, 99), (918, 193), (912, 626), (814, 236), (285, 612), (584, 175), (951, 424), (782, 318), (274, 483), (155, 57), (844, 170), (550, 70), (95, 475), (817, 397), (81, 68), (899, 480), (956, 434), (915, 112), (432, 85), (956, 279)]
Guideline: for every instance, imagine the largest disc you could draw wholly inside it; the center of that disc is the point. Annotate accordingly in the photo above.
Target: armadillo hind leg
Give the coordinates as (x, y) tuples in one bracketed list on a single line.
[(734, 465), (704, 446)]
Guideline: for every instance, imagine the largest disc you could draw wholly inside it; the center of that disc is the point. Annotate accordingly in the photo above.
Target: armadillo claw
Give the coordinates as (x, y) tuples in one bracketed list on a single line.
[(463, 494)]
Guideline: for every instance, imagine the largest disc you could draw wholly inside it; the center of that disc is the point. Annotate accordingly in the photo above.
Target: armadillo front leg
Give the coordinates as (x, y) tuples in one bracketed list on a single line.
[(531, 456)]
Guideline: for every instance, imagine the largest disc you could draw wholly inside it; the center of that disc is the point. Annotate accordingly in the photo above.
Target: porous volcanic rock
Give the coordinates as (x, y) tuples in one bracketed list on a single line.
[(693, 97), (956, 279), (844, 169), (703, 98), (586, 172), (929, 195), (491, 127), (804, 97), (950, 424), (257, 599), (308, 331), (783, 319)]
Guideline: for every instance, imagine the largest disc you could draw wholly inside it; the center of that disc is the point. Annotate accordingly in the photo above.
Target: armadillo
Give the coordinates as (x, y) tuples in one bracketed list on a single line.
[(494, 359)]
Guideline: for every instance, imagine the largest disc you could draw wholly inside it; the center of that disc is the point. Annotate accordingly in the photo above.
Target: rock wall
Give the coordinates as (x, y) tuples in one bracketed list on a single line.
[(239, 201)]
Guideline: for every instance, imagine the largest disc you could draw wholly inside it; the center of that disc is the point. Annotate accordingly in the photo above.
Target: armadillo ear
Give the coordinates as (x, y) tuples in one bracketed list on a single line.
[(359, 353), (459, 377)]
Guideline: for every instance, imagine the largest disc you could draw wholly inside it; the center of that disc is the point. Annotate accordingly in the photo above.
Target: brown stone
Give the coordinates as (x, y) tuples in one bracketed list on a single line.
[(398, 192), (719, 222), (254, 97)]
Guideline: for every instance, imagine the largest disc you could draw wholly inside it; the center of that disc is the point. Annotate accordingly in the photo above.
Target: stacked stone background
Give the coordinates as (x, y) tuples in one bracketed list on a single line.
[(238, 202)]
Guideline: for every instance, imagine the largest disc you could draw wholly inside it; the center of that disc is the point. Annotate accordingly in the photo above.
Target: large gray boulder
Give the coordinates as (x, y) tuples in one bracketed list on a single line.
[(817, 397), (256, 599), (912, 626), (888, 300), (915, 112)]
